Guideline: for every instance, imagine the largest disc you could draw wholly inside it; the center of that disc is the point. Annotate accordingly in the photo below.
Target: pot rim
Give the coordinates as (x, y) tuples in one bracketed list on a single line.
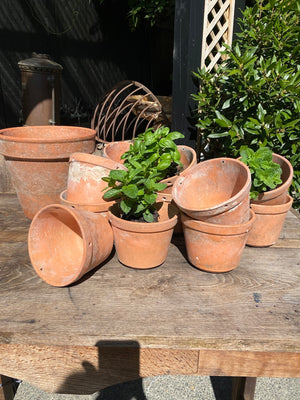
[(140, 227), (221, 207), (215, 229), (273, 209), (95, 160), (85, 133), (94, 207)]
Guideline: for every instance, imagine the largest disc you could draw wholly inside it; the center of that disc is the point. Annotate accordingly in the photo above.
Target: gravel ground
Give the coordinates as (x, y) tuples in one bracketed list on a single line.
[(174, 388)]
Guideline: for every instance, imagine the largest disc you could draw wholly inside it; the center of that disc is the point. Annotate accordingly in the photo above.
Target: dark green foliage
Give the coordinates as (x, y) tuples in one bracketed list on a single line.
[(148, 161), (253, 98), (265, 174), (149, 10)]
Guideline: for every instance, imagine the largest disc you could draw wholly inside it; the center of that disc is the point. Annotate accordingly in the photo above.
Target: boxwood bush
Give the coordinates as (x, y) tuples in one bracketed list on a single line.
[(253, 98)]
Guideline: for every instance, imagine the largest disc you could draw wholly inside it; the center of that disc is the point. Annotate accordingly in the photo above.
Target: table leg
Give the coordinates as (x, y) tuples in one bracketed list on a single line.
[(6, 388), (243, 388)]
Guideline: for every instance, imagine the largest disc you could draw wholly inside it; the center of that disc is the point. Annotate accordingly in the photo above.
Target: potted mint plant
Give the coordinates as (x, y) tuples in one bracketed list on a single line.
[(141, 235), (271, 177)]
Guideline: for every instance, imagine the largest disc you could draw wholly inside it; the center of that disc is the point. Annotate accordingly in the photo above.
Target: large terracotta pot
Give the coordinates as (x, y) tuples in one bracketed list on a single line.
[(85, 184), (215, 248), (269, 222), (215, 191), (142, 245), (37, 158), (64, 243)]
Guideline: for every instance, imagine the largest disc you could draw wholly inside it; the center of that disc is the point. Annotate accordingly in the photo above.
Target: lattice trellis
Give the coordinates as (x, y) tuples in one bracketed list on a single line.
[(217, 29)]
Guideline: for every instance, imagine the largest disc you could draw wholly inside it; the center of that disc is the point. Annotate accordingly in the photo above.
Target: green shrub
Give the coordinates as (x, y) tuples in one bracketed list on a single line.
[(253, 98)]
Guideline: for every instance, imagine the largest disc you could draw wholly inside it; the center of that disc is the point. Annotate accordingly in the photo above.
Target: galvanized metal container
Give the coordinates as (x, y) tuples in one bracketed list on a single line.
[(40, 77)]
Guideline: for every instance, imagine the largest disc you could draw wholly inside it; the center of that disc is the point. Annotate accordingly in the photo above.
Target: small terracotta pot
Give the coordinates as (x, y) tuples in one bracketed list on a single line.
[(142, 245), (37, 158), (215, 248), (278, 195), (102, 207), (114, 150), (269, 222), (215, 191), (188, 158), (85, 184), (64, 244)]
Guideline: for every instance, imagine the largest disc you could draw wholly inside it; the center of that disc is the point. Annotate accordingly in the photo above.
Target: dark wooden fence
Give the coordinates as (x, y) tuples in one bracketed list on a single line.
[(92, 42)]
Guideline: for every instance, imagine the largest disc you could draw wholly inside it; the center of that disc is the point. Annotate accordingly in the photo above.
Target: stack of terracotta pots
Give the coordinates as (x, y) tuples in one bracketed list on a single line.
[(213, 197), (271, 208)]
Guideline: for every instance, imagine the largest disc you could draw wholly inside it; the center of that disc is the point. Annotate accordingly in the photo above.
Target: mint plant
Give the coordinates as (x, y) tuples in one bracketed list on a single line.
[(149, 160), (265, 174), (253, 98)]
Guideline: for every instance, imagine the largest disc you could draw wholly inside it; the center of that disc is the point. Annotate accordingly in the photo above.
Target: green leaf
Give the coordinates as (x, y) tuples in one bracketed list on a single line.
[(222, 120), (175, 135), (148, 216), (167, 143), (126, 206), (159, 186), (150, 198), (130, 191), (118, 175), (112, 194)]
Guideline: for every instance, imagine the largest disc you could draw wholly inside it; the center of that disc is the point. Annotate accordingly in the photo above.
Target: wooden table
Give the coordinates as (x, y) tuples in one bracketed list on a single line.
[(119, 324)]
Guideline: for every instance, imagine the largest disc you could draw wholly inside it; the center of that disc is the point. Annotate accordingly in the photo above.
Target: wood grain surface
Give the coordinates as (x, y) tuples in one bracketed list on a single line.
[(118, 323)]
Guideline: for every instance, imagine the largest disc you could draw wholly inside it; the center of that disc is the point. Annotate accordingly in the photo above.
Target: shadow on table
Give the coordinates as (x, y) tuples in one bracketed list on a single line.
[(118, 363)]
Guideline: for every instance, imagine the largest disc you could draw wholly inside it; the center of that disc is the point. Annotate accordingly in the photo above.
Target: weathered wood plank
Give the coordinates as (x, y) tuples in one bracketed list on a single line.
[(88, 369)]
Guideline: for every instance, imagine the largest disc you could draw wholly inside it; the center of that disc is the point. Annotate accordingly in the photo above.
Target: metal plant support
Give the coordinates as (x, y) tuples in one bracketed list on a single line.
[(126, 110)]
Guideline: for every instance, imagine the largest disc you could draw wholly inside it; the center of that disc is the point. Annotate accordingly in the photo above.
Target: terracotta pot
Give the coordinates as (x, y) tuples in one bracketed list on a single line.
[(85, 184), (37, 158), (64, 244), (102, 207), (165, 200), (278, 195), (269, 222), (114, 150), (215, 191), (142, 245), (188, 158), (215, 248)]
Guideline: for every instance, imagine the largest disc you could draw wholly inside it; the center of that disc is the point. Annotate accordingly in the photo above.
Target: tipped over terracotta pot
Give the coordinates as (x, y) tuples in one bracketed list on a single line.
[(215, 191), (85, 184), (64, 243)]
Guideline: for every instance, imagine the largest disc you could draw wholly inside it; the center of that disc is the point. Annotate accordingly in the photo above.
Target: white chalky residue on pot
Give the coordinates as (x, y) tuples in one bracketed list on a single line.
[(77, 171)]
